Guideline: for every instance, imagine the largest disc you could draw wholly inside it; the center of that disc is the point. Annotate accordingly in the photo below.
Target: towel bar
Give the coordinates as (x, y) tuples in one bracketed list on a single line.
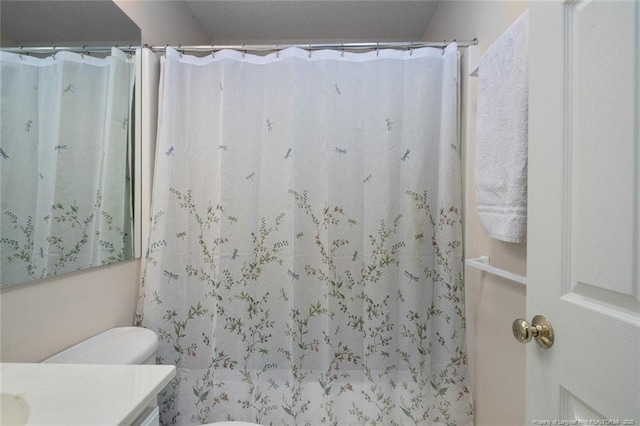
[(482, 263)]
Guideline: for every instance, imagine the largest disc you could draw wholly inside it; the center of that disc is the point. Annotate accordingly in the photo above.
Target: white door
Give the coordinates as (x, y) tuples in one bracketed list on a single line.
[(584, 211)]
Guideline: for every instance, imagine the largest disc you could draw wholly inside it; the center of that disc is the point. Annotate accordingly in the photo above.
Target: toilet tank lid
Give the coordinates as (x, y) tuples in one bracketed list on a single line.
[(121, 345)]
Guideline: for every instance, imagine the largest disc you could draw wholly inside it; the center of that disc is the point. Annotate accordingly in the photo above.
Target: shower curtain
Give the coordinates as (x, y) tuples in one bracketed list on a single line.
[(64, 155), (305, 254)]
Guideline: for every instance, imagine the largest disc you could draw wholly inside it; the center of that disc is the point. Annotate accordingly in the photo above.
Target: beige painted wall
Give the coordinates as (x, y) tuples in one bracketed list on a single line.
[(43, 318), (40, 319), (164, 22), (497, 361)]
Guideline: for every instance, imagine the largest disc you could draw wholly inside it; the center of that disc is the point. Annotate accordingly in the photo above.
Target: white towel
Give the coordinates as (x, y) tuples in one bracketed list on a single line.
[(501, 156)]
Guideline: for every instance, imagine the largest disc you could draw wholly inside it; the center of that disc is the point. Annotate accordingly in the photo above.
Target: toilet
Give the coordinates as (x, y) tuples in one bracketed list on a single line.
[(120, 345)]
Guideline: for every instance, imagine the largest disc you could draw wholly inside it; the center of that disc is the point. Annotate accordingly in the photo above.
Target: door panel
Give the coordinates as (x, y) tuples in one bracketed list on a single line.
[(600, 39), (584, 209)]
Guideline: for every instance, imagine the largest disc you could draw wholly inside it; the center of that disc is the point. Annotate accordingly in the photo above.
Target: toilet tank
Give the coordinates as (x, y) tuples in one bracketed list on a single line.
[(121, 345)]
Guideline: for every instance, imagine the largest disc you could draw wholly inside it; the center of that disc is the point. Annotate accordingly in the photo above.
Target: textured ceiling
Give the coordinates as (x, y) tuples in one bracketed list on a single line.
[(29, 22), (59, 21), (311, 20)]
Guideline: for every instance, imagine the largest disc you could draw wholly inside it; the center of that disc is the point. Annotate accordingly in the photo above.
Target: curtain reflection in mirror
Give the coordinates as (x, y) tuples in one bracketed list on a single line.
[(65, 151)]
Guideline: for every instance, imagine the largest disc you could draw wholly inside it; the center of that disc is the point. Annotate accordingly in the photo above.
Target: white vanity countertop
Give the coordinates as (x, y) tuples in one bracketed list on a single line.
[(83, 394)]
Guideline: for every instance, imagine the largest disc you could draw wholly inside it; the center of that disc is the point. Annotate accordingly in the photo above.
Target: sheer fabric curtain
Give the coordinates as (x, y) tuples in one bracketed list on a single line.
[(305, 255), (64, 163)]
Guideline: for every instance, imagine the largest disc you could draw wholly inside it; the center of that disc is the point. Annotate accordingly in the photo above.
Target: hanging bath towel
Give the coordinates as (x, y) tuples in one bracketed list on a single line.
[(501, 159)]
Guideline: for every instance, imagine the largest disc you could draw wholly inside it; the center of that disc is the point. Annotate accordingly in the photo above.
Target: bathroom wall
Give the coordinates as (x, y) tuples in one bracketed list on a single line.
[(43, 318), (164, 22), (496, 359)]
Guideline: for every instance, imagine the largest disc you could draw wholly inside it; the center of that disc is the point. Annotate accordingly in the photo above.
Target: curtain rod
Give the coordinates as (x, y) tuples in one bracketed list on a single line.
[(76, 49), (317, 46), (244, 47)]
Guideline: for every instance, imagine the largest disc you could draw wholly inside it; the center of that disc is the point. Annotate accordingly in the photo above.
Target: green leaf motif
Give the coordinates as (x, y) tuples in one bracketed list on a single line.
[(288, 331), (406, 412)]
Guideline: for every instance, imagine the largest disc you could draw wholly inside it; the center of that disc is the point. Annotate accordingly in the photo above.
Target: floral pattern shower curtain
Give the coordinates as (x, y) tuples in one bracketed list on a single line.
[(305, 258), (64, 162)]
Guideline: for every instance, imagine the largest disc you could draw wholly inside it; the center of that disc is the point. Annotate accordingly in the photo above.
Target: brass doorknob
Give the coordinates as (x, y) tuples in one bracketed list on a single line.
[(540, 329)]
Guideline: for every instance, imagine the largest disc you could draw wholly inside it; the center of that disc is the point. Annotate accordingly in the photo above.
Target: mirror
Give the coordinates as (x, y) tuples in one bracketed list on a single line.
[(67, 145)]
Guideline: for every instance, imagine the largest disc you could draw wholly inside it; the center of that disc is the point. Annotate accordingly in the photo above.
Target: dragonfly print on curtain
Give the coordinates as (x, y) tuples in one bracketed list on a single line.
[(305, 254)]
